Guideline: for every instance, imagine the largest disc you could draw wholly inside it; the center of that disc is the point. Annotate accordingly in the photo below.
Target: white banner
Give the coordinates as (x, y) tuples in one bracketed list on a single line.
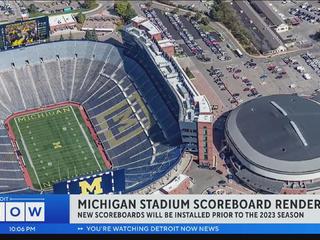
[(188, 209)]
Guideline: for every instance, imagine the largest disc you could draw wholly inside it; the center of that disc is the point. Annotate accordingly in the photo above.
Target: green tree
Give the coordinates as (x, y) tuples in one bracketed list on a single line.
[(187, 14), (125, 10), (61, 38), (81, 18), (32, 8), (175, 10), (149, 4), (88, 4), (94, 35), (70, 35), (91, 35), (205, 21), (88, 35), (316, 36), (197, 16)]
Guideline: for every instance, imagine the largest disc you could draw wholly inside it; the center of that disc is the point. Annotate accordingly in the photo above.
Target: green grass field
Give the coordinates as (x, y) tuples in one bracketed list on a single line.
[(56, 145)]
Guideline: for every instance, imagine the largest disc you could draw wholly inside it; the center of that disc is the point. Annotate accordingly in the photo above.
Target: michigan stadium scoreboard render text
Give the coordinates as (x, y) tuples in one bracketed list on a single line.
[(158, 214)]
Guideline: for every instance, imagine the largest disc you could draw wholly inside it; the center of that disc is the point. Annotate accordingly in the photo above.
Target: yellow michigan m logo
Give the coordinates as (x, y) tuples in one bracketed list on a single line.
[(94, 187)]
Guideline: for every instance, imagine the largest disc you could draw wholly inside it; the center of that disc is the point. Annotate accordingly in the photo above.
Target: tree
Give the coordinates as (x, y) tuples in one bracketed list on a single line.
[(205, 21), (88, 35), (149, 4), (88, 4), (32, 8), (316, 36), (125, 10), (91, 35), (175, 11), (70, 35), (94, 35), (197, 16), (188, 14), (61, 38), (81, 18)]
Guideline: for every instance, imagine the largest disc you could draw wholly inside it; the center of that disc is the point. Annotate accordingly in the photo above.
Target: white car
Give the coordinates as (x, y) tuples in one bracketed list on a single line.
[(307, 76)]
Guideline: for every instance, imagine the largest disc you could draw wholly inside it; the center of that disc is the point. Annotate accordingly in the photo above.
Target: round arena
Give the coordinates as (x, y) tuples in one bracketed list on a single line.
[(274, 143)]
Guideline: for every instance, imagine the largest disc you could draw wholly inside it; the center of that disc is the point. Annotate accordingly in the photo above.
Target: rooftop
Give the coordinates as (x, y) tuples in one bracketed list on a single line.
[(138, 19), (266, 8), (269, 35), (288, 123), (165, 43), (279, 132), (151, 29), (175, 183), (61, 19)]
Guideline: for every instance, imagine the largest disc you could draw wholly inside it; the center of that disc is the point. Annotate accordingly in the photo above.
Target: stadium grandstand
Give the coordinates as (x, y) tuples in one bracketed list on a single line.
[(136, 125), (191, 110)]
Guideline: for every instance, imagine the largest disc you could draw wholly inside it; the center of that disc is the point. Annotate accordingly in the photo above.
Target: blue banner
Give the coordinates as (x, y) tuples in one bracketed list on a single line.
[(50, 214)]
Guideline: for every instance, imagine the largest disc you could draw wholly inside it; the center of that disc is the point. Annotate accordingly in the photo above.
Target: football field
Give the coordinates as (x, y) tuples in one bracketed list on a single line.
[(56, 145)]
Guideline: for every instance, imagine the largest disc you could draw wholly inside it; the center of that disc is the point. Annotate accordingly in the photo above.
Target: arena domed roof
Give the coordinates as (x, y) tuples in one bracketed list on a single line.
[(277, 134)]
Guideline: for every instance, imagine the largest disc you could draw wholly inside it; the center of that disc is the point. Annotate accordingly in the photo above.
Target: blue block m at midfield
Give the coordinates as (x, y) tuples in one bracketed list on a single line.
[(103, 183)]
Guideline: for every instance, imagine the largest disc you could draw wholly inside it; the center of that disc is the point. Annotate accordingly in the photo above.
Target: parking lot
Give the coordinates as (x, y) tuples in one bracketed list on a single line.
[(305, 13), (9, 10), (237, 79)]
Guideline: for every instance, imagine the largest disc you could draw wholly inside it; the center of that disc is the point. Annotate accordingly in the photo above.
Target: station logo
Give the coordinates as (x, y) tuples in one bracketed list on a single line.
[(22, 211)]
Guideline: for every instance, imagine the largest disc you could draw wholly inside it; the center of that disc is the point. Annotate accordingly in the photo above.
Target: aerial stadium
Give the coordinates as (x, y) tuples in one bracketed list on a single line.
[(50, 96), (74, 113), (274, 141)]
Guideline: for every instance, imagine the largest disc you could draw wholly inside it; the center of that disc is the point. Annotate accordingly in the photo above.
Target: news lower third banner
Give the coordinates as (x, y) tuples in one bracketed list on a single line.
[(159, 214)]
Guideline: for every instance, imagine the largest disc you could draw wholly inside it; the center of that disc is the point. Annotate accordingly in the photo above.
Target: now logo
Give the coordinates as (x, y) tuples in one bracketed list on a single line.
[(22, 211)]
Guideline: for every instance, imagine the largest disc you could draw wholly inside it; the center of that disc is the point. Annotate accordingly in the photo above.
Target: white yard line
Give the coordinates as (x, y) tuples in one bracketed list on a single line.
[(86, 137), (28, 154)]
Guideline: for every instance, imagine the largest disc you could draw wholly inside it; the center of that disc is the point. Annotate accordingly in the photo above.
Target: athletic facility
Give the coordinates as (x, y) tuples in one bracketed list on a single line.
[(57, 145), (74, 109), (274, 142)]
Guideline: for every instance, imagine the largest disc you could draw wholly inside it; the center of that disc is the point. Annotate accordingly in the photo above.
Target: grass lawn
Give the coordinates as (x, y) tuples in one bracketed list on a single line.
[(56, 145), (206, 28)]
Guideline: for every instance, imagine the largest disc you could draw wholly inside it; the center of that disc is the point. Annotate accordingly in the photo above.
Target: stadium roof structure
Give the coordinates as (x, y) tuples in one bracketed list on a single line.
[(278, 134)]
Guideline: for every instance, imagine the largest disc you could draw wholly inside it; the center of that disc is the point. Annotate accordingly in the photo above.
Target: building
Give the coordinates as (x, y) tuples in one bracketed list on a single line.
[(180, 185), (268, 34), (275, 142), (192, 110), (205, 133), (144, 24), (275, 20), (62, 22), (167, 46)]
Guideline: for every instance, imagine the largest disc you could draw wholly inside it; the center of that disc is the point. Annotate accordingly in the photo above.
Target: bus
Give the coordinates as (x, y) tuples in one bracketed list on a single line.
[(238, 52)]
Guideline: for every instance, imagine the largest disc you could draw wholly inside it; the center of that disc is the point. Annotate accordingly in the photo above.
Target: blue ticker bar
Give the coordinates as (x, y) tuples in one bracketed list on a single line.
[(47, 228), (56, 221)]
